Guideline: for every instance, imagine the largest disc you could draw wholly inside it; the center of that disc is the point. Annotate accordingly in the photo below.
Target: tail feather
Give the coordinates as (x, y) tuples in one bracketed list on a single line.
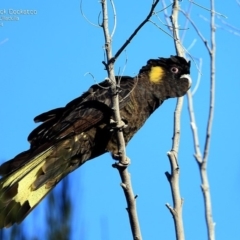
[(24, 170), (29, 177), (17, 198), (15, 163)]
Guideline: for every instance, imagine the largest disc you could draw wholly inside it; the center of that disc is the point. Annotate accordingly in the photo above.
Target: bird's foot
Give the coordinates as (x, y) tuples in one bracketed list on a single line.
[(121, 162), (119, 126)]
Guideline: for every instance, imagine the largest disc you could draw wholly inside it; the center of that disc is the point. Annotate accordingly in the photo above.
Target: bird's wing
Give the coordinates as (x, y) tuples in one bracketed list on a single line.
[(80, 114), (77, 116)]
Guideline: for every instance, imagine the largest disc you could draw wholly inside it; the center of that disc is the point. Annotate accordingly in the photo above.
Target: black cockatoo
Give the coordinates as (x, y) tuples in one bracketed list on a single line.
[(80, 131)]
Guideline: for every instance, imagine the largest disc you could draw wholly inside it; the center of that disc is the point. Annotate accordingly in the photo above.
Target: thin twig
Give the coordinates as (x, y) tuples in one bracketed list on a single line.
[(136, 31), (164, 8), (166, 15), (131, 201), (173, 177), (114, 17), (95, 81), (121, 72), (198, 78), (197, 155), (203, 170), (202, 161), (197, 30), (233, 28), (81, 10), (123, 160), (192, 44), (207, 9), (205, 184), (161, 29), (186, 23)]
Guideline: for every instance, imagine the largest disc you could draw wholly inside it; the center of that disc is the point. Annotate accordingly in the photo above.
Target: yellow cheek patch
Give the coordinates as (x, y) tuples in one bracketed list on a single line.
[(156, 74)]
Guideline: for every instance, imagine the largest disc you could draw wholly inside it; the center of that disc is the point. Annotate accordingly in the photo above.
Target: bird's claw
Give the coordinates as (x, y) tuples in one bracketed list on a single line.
[(120, 162), (114, 125)]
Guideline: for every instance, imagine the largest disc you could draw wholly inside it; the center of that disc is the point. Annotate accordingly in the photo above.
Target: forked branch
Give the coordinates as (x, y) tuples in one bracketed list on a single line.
[(173, 177), (123, 160), (202, 160), (150, 14)]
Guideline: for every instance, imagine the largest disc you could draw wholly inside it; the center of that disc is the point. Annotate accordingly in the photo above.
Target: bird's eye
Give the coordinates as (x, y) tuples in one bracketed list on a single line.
[(174, 70)]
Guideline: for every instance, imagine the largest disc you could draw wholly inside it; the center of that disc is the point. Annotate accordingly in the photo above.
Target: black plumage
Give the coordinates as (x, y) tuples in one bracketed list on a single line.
[(81, 130)]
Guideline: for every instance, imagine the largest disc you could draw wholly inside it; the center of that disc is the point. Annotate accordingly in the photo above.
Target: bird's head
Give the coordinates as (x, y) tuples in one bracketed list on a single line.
[(170, 76)]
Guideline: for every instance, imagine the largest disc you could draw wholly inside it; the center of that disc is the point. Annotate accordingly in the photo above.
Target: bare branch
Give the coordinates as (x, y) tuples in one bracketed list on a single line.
[(205, 184), (95, 81), (81, 10), (227, 27), (131, 201), (176, 210), (123, 160), (121, 72), (136, 31), (164, 8), (166, 15), (212, 87), (186, 23), (207, 9), (197, 155), (115, 18), (233, 28), (192, 44), (203, 170), (174, 19), (110, 69), (197, 30), (199, 77), (160, 28), (173, 177), (202, 161)]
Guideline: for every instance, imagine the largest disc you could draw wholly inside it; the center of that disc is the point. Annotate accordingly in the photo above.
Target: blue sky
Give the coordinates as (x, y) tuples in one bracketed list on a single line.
[(44, 58)]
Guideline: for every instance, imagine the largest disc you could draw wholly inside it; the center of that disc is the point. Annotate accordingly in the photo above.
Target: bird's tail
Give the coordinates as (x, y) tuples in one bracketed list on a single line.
[(17, 194), (23, 186)]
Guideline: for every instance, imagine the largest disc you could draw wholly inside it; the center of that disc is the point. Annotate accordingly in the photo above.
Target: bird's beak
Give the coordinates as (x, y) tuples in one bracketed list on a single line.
[(188, 77)]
